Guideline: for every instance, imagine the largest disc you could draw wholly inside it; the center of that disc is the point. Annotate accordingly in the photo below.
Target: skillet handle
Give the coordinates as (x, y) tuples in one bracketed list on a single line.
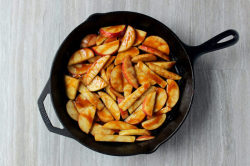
[(44, 115), (213, 44)]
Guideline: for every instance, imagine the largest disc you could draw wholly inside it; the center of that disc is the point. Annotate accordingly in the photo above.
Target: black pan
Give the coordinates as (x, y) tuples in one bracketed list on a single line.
[(183, 54)]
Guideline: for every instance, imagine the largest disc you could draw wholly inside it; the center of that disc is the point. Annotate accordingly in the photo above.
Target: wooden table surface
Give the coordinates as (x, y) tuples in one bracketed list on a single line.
[(217, 130)]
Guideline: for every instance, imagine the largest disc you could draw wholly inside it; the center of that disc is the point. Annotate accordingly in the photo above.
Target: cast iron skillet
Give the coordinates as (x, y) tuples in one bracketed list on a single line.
[(183, 54)]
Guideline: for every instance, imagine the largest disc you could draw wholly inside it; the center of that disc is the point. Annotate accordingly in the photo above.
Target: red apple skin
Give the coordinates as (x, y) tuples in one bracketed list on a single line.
[(118, 31), (111, 45), (154, 51)]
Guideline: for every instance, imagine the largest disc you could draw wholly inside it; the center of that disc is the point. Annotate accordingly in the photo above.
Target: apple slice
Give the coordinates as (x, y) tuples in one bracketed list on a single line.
[(94, 59), (92, 98), (104, 76), (124, 114), (127, 87), (98, 129), (127, 102), (118, 125), (105, 115), (114, 138), (161, 98), (151, 75), (145, 138), (164, 110), (164, 65), (71, 85), (134, 132), (109, 91), (109, 70), (136, 117), (111, 59), (81, 56), (154, 122), (117, 94), (129, 72), (100, 39), (89, 40), (132, 52), (142, 78), (113, 31), (79, 69), (148, 104), (94, 70), (85, 119), (164, 73), (71, 110), (144, 58), (154, 51), (173, 93), (110, 39), (116, 79), (128, 39), (157, 43), (110, 104), (82, 103), (97, 84), (107, 48), (140, 36), (141, 99)]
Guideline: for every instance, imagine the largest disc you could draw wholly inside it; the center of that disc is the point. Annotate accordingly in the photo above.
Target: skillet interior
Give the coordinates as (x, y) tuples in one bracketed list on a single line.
[(153, 27)]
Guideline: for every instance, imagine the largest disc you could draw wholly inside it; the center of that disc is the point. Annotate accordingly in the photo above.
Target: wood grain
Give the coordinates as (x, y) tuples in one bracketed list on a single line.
[(217, 130)]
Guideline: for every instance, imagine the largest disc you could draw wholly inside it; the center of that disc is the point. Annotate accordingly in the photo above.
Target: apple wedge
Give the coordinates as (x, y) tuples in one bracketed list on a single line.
[(79, 69), (114, 138), (92, 98), (141, 99), (127, 87), (140, 36), (108, 40), (164, 73), (71, 85), (98, 129), (94, 70), (161, 98), (85, 119), (105, 115), (81, 56), (142, 78), (97, 84), (113, 31), (118, 125), (128, 72), (116, 79), (154, 51), (144, 58), (71, 110), (151, 75), (127, 102), (107, 48), (132, 52), (117, 94), (148, 104), (82, 104), (111, 59), (173, 93), (154, 122), (164, 65), (100, 39), (109, 91), (104, 76), (134, 132), (157, 43), (109, 70), (89, 40), (110, 104), (128, 39), (145, 138), (94, 59), (124, 113), (136, 117), (164, 110)]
